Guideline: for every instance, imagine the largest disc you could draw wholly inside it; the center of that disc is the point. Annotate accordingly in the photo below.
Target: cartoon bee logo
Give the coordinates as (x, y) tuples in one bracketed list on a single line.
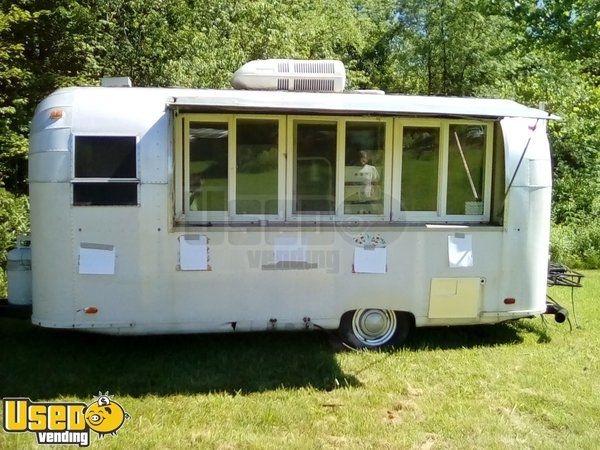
[(105, 416)]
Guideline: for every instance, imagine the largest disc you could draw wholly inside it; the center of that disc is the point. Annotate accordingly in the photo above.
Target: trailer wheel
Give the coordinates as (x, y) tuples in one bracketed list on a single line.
[(374, 328)]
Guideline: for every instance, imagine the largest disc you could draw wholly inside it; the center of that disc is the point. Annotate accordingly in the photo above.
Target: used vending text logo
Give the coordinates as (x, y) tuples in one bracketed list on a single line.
[(63, 422)]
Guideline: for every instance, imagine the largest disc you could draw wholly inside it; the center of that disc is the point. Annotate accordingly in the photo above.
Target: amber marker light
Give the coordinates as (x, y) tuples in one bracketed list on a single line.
[(90, 310), (56, 114)]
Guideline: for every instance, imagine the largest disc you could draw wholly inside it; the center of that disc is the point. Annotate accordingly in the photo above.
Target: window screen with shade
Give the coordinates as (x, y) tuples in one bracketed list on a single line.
[(105, 171)]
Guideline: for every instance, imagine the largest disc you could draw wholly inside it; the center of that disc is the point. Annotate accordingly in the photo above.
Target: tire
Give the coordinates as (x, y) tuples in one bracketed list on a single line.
[(374, 328)]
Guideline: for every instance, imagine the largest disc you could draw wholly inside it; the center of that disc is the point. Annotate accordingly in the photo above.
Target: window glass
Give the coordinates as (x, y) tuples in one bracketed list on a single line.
[(208, 166), (257, 154), (105, 157), (466, 163), (420, 157), (104, 194), (314, 168), (364, 168)]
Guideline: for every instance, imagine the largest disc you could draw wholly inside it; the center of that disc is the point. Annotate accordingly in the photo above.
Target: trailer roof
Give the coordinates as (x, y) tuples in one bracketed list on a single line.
[(351, 103)]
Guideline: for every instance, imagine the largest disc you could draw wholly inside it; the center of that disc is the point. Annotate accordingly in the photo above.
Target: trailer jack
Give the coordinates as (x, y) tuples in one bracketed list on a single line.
[(560, 313)]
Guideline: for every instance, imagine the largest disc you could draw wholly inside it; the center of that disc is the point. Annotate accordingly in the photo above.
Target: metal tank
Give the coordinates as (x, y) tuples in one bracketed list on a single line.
[(18, 270)]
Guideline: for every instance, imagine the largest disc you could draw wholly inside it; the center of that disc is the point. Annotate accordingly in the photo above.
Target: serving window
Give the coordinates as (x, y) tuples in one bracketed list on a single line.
[(466, 169), (365, 168), (232, 167), (442, 170), (257, 167), (419, 177), (208, 166), (314, 167), (250, 168), (340, 169)]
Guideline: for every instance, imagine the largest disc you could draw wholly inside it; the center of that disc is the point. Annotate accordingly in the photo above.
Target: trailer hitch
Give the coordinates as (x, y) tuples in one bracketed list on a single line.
[(560, 314)]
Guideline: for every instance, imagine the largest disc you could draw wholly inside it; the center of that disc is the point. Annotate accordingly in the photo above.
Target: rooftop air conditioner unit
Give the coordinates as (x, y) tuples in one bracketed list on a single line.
[(291, 75)]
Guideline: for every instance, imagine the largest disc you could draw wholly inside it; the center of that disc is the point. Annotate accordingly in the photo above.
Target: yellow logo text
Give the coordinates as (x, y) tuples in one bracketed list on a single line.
[(63, 422)]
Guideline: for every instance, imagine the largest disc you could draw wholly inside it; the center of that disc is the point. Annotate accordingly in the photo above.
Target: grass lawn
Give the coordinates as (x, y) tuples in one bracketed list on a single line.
[(525, 385)]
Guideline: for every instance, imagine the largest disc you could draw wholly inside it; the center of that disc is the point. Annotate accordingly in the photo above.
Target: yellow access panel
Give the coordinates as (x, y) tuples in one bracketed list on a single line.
[(455, 298)]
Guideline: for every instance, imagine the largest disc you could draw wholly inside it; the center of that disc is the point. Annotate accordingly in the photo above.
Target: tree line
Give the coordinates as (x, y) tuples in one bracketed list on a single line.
[(527, 50)]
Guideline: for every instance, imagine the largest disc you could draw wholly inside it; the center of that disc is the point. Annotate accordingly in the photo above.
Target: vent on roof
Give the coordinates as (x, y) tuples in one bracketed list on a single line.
[(283, 67), (291, 75), (115, 82), (313, 85), (283, 84), (314, 67)]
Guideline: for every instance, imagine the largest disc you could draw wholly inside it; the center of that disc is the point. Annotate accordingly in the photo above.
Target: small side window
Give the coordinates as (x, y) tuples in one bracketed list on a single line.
[(105, 171)]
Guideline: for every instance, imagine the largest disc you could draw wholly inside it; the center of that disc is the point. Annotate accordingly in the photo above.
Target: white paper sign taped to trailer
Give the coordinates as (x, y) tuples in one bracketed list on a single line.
[(193, 252), (370, 260), (96, 259), (460, 250)]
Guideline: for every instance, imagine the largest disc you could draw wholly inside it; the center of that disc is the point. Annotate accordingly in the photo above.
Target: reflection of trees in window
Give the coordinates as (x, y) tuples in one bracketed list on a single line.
[(103, 161), (208, 166), (422, 143), (257, 142)]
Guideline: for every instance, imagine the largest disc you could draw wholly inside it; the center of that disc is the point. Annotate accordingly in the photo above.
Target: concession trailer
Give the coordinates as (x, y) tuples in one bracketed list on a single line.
[(285, 204)]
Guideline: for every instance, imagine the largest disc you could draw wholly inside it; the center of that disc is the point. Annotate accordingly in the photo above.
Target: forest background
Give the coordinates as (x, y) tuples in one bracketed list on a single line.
[(531, 51)]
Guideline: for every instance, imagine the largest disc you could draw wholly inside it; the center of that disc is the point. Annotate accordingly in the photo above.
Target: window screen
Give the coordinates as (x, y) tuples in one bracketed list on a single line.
[(105, 171), (105, 194)]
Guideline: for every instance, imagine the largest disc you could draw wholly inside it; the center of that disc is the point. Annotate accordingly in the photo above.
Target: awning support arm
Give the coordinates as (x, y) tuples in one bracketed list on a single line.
[(520, 161)]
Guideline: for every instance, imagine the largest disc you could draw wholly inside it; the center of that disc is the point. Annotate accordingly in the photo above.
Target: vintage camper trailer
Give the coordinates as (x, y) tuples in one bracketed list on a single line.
[(163, 210)]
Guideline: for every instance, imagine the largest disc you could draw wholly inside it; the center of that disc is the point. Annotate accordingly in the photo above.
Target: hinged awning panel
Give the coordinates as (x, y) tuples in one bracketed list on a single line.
[(352, 104)]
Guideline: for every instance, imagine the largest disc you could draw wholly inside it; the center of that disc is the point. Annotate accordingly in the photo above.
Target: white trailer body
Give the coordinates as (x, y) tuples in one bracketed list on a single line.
[(111, 251)]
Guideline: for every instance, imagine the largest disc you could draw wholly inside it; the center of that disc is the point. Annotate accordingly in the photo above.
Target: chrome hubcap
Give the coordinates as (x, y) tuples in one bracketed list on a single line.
[(374, 326)]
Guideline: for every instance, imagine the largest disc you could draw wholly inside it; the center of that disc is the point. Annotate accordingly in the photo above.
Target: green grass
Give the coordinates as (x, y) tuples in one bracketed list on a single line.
[(524, 384)]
